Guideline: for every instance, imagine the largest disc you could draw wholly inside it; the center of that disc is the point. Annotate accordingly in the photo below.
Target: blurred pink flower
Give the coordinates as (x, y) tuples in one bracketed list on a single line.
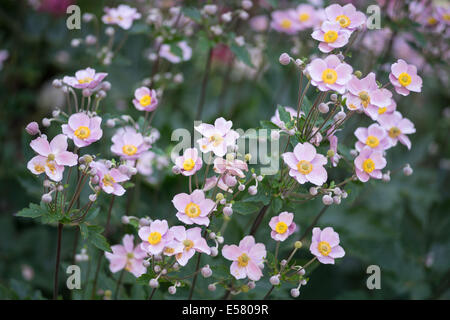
[(404, 78), (248, 258), (127, 257), (186, 52), (55, 7), (282, 226), (331, 36), (109, 179), (218, 137), (259, 23), (123, 16), (306, 16), (347, 16), (85, 79), (284, 21), (397, 128)]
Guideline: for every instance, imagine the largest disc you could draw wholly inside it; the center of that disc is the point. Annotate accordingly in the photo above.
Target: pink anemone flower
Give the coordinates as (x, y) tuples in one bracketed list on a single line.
[(248, 258), (155, 237), (85, 79), (218, 137), (128, 143), (127, 257), (52, 157), (325, 245), (189, 163), (234, 167), (193, 208), (404, 78), (109, 179), (347, 16), (123, 16), (375, 136), (368, 164), (397, 128), (82, 129), (330, 73), (191, 241), (282, 226), (285, 22), (306, 164), (364, 94), (331, 36), (306, 16), (186, 52), (145, 99)]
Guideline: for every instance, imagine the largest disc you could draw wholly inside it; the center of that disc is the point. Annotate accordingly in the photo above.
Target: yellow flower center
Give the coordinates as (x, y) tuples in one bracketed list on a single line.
[(394, 132), (304, 167), (404, 79), (365, 98), (243, 260), (368, 165), (85, 80), (329, 76), (372, 141), (145, 100), (324, 248), (432, 20), (188, 164), (188, 244), (154, 238), (39, 168), (382, 110), (351, 106), (286, 23), (192, 210), (330, 36), (129, 149), (343, 20), (216, 139), (281, 227), (302, 17), (51, 157), (108, 180), (51, 166), (82, 132), (130, 255), (446, 16), (169, 250)]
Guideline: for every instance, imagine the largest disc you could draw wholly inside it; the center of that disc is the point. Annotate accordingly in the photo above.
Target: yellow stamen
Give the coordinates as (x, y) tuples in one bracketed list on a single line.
[(302, 17), (216, 139), (145, 100), (188, 244), (82, 132), (330, 36), (372, 141), (365, 98), (329, 76), (382, 110), (304, 167), (281, 227), (394, 132), (192, 210), (343, 20), (108, 180), (368, 165), (85, 80), (129, 149), (154, 238), (286, 23), (404, 79), (51, 166), (324, 248), (169, 250), (39, 168), (243, 260), (188, 164)]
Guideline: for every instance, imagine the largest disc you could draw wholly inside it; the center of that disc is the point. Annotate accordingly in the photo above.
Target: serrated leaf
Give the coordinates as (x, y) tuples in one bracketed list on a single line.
[(93, 234), (33, 211)]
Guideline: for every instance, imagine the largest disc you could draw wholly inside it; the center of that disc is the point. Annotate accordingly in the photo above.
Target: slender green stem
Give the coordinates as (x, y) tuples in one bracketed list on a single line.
[(58, 260)]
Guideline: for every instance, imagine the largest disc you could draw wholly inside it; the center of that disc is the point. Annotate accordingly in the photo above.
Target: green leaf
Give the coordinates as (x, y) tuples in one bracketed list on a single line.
[(34, 211), (192, 13), (93, 234), (242, 54), (244, 207), (268, 125), (176, 50), (277, 204), (284, 115)]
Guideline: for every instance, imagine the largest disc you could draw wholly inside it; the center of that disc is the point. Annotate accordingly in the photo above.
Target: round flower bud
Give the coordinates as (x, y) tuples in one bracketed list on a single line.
[(212, 235), (337, 191), (57, 83), (241, 187), (247, 4), (327, 200), (172, 290), (226, 17), (157, 269), (259, 178), (339, 116), (144, 222), (206, 271), (125, 220), (333, 97), (106, 85), (176, 266), (330, 153), (146, 263), (275, 280), (220, 239), (212, 287), (46, 198), (223, 201), (90, 39), (219, 196), (46, 122), (60, 188), (275, 135), (228, 211), (323, 108), (55, 113), (32, 128), (358, 74), (298, 244), (284, 59), (386, 177), (92, 197), (313, 191), (303, 282), (407, 170), (164, 271), (110, 123), (176, 170), (243, 15), (210, 9), (214, 251), (295, 292), (109, 31), (153, 283), (344, 195), (337, 199), (283, 262), (47, 183), (301, 272), (251, 285), (353, 153), (252, 190)]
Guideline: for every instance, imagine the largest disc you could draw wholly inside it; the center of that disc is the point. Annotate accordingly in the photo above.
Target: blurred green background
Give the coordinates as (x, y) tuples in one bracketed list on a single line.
[(402, 226)]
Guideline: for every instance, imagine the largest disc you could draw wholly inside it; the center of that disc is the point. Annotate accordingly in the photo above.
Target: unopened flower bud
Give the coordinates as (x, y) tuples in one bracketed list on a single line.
[(298, 244), (110, 123), (125, 220), (214, 251), (241, 187), (228, 211), (327, 200), (323, 108), (176, 170), (206, 271), (57, 83), (275, 280), (46, 122), (303, 282), (32, 128), (251, 285), (247, 4), (153, 283), (358, 74), (172, 290), (226, 17), (386, 177), (337, 199), (295, 292), (313, 191), (146, 263), (212, 287), (339, 116), (252, 190), (407, 170), (212, 235), (284, 59), (333, 97), (210, 9), (92, 197), (46, 198)]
